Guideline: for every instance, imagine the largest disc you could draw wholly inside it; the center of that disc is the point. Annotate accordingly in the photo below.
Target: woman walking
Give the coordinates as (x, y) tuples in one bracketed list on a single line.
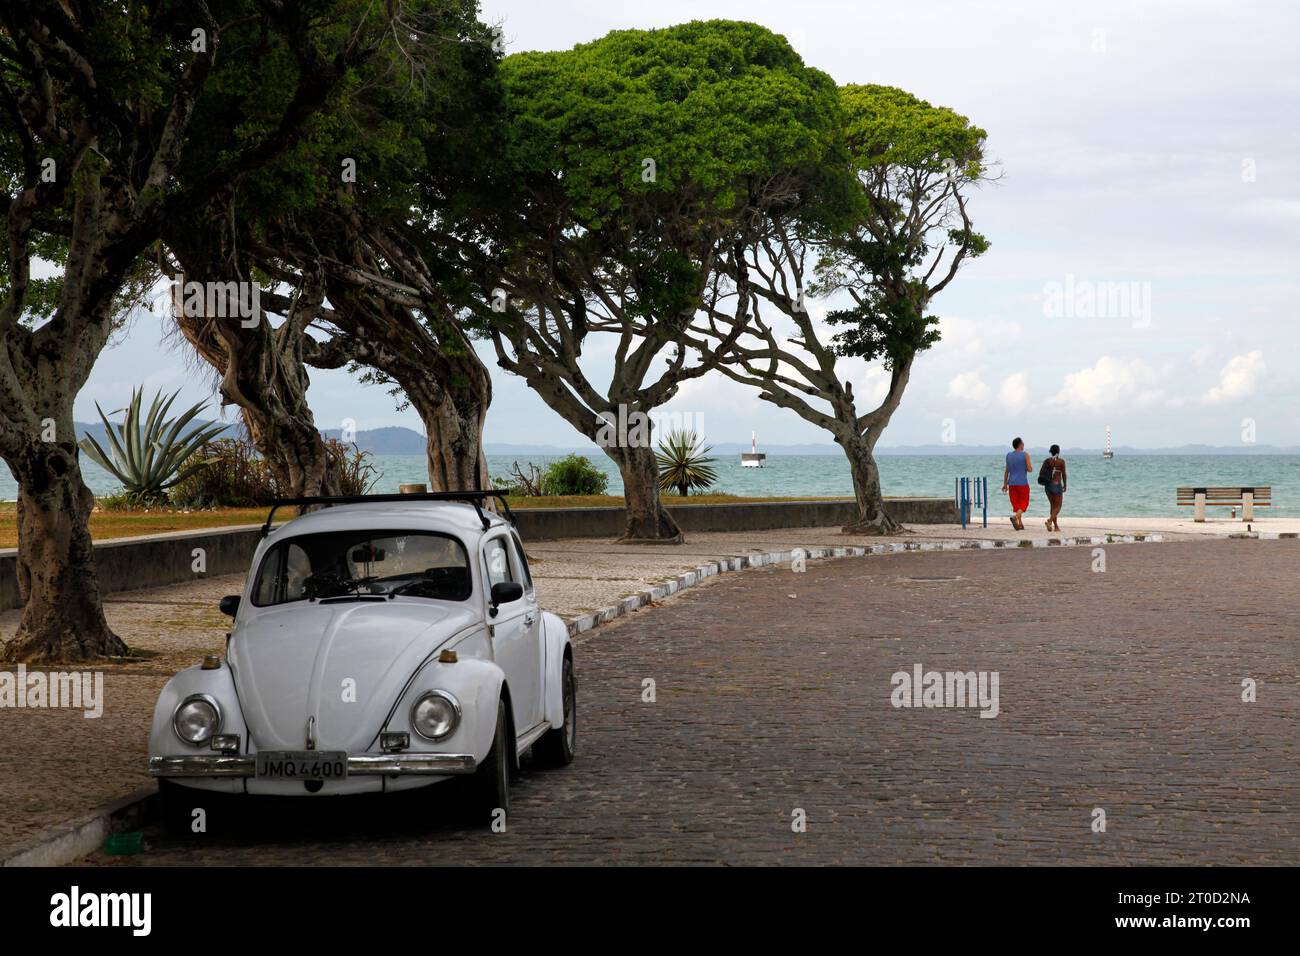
[(1054, 471)]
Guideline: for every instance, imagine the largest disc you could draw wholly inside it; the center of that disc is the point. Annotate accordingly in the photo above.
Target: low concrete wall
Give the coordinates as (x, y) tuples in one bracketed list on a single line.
[(123, 564), (540, 524), (127, 563)]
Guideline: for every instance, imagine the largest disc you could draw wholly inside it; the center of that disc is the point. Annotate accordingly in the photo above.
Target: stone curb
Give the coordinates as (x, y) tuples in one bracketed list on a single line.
[(633, 602), (83, 834)]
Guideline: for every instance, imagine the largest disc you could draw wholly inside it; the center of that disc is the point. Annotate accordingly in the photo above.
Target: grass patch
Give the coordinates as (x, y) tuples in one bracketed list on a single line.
[(106, 524), (616, 501), (125, 524)]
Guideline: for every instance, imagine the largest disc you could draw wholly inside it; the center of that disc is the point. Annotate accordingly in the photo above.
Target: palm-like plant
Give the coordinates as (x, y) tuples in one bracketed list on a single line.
[(148, 454), (682, 463)]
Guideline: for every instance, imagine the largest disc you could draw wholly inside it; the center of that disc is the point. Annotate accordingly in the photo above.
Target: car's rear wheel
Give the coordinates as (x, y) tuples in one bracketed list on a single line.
[(556, 747), (489, 788)]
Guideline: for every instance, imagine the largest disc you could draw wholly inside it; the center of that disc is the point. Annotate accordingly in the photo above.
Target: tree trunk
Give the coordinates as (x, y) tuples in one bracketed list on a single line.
[(444, 381), (63, 619), (648, 522), (262, 370), (293, 449), (872, 517), (455, 443)]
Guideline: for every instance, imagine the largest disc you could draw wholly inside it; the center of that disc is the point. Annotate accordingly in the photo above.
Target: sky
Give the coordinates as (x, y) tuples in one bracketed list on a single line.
[(1144, 271)]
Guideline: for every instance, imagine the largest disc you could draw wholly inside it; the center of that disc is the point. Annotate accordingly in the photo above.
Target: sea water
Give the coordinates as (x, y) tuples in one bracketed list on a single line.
[(1127, 485), (1135, 485)]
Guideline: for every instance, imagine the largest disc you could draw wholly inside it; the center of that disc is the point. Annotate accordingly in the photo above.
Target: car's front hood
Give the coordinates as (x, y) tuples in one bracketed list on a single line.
[(343, 664)]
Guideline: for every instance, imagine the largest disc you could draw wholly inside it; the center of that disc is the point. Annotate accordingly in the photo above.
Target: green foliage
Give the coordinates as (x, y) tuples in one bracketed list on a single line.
[(231, 475), (713, 103), (228, 473), (117, 501), (683, 464), (150, 455), (726, 112), (912, 162), (888, 127), (348, 469), (574, 475), (142, 60)]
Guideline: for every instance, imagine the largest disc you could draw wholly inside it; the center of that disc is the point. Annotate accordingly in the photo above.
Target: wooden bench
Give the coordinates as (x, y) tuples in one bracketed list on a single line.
[(1245, 498)]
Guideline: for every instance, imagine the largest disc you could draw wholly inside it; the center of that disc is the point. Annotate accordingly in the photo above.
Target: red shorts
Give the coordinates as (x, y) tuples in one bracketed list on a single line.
[(1019, 495)]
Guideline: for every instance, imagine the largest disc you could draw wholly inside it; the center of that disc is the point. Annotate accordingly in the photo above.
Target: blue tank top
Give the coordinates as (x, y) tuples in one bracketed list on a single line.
[(1017, 468)]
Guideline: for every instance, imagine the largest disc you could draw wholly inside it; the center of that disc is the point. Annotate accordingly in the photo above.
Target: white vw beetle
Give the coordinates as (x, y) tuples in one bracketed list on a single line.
[(381, 643)]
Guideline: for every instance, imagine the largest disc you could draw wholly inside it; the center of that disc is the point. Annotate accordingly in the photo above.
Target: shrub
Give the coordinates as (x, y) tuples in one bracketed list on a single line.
[(684, 465), (574, 475), (234, 477), (117, 501), (348, 468), (149, 453)]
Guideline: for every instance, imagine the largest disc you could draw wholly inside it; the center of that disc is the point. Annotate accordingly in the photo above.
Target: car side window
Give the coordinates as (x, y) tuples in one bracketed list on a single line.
[(497, 555), (297, 569), (285, 578), (526, 576)]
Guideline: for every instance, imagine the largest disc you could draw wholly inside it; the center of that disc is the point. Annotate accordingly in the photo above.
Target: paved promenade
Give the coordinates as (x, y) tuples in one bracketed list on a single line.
[(1119, 691)]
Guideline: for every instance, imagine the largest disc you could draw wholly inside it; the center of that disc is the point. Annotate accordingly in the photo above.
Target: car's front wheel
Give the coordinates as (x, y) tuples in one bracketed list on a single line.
[(558, 745), (489, 787)]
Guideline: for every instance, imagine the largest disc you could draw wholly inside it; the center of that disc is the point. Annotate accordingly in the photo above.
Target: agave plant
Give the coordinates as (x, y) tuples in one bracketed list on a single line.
[(682, 463), (148, 454)]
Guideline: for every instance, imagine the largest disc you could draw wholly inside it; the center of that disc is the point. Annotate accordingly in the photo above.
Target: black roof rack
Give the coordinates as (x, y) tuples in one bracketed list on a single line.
[(476, 498)]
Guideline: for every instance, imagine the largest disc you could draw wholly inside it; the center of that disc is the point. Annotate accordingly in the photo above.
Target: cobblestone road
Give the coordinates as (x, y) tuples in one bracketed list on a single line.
[(1119, 690)]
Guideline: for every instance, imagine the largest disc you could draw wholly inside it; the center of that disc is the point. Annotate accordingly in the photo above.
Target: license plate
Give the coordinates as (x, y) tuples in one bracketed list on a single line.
[(302, 764)]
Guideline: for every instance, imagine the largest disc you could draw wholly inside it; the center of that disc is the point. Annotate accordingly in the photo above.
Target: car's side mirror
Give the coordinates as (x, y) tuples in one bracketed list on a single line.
[(229, 604), (503, 592)]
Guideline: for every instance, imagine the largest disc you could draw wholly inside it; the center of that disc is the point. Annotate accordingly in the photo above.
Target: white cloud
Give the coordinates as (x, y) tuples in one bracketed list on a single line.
[(1277, 209), (1013, 393), (969, 387), (965, 343), (1112, 382), (1202, 356), (1237, 380), (871, 388)]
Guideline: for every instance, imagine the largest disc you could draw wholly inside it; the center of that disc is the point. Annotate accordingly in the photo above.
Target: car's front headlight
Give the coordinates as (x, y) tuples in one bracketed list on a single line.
[(435, 715), (196, 719)]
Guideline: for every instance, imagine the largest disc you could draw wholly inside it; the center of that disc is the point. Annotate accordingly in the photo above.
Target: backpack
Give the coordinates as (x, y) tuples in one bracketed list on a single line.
[(1045, 472)]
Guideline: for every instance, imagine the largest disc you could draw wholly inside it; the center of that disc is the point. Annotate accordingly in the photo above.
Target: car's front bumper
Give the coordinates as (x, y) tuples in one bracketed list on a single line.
[(374, 765)]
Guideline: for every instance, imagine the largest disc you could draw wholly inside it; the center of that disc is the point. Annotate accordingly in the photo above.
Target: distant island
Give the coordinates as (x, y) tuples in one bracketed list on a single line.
[(399, 440)]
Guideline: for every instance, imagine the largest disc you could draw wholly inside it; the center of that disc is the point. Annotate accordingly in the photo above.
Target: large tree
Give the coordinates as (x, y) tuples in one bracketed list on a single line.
[(100, 103), (882, 248), (355, 212), (639, 161)]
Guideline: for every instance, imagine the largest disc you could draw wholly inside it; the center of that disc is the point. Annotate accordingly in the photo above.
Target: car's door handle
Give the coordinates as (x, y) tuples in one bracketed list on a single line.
[(530, 619)]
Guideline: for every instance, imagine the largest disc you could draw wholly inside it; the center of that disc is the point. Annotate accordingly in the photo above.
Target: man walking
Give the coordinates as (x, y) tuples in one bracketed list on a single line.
[(1015, 481)]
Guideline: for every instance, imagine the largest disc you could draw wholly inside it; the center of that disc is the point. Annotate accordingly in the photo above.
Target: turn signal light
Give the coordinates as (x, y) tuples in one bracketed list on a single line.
[(211, 662), (447, 657), (394, 740), (225, 743)]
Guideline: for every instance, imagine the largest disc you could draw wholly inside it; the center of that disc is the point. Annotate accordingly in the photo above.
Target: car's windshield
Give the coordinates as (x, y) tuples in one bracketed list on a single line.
[(363, 565)]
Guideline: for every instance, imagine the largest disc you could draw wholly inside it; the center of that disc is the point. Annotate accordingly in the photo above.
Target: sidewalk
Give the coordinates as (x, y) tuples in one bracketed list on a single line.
[(56, 764)]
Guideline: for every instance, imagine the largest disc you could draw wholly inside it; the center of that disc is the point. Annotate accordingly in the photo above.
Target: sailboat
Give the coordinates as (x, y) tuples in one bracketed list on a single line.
[(1107, 453)]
